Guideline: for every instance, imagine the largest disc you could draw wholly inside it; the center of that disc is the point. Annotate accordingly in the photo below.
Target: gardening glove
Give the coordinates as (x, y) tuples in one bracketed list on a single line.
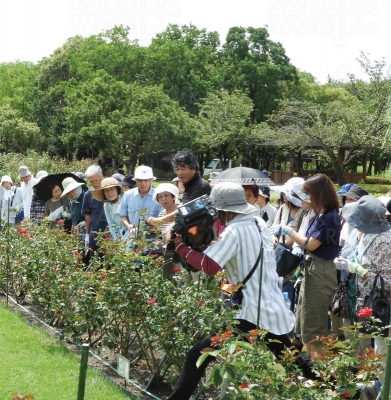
[(297, 251), (17, 208), (275, 230), (87, 240), (356, 268), (81, 224), (341, 264), (65, 215)]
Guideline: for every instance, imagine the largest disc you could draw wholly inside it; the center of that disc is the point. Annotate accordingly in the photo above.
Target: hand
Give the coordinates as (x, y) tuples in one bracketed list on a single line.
[(341, 264), (81, 224), (297, 251), (177, 240), (285, 230), (153, 221), (17, 208), (65, 215), (87, 240), (356, 268)]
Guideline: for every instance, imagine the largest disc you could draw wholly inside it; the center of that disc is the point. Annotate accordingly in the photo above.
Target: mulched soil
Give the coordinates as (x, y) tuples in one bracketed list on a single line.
[(138, 372)]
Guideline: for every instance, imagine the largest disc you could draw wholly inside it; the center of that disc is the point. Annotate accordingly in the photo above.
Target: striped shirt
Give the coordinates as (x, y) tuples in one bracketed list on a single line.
[(237, 250)]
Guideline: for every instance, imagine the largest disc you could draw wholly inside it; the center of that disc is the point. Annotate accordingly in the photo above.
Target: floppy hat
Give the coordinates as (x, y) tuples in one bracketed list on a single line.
[(69, 184), (41, 174), (23, 172), (367, 215), (301, 195), (167, 187), (229, 196), (356, 192), (144, 172), (6, 178), (264, 191), (293, 184), (97, 194), (128, 181)]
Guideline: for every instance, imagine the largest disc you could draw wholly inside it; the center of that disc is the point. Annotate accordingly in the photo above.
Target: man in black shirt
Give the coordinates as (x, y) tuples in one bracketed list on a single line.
[(186, 168)]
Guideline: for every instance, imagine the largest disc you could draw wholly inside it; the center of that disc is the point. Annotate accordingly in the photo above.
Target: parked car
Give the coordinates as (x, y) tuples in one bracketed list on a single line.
[(215, 166)]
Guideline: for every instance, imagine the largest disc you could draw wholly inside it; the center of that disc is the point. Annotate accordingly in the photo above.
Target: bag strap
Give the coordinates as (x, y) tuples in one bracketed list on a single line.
[(250, 274), (381, 283)]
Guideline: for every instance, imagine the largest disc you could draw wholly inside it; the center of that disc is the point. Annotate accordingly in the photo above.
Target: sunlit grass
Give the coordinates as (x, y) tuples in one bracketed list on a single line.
[(33, 362)]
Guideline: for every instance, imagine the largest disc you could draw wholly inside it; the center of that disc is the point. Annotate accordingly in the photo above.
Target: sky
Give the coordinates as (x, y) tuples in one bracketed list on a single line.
[(323, 37)]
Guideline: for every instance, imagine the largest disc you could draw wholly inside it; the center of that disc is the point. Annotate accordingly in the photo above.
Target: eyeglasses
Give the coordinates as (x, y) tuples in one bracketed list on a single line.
[(163, 196)]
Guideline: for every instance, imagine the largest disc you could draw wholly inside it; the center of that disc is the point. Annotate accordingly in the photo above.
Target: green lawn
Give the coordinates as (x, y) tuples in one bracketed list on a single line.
[(33, 362)]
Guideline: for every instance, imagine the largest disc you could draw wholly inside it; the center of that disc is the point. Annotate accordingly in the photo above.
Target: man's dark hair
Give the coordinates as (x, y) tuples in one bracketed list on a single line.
[(185, 157)]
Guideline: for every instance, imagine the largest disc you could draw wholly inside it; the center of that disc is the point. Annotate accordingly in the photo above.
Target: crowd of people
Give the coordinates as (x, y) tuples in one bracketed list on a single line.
[(343, 237)]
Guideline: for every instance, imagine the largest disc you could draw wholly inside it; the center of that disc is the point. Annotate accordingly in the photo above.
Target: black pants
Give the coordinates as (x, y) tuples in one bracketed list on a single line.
[(191, 375)]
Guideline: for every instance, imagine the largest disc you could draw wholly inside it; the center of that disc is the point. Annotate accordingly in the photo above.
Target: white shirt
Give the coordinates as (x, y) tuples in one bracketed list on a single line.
[(237, 249), (271, 213)]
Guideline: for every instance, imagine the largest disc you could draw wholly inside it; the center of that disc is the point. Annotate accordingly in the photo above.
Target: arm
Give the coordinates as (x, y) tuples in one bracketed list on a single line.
[(127, 224), (88, 223), (312, 244), (166, 218), (111, 223), (196, 259)]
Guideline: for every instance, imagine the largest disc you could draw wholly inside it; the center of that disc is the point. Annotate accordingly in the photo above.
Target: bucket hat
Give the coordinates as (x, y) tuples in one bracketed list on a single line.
[(264, 191), (128, 181), (23, 172), (293, 184), (41, 174), (355, 193), (69, 184), (167, 187), (98, 194), (118, 177), (229, 196), (301, 195), (367, 215), (6, 178), (144, 172)]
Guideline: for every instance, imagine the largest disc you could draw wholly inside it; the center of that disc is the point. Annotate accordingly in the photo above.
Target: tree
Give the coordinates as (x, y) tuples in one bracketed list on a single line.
[(252, 63), (223, 119), (16, 134), (125, 121)]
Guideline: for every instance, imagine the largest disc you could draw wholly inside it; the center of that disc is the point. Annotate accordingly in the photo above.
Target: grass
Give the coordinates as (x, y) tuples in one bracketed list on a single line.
[(36, 363)]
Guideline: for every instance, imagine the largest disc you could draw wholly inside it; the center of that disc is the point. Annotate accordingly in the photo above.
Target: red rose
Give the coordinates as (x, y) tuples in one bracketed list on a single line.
[(20, 231), (365, 312), (75, 252), (60, 221), (243, 386), (154, 255), (150, 302), (102, 277), (107, 239), (55, 267), (107, 251), (137, 250), (31, 235), (176, 269), (346, 395)]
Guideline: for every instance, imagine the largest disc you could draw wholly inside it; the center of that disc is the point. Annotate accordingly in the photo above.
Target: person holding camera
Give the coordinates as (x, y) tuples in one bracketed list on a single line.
[(237, 251)]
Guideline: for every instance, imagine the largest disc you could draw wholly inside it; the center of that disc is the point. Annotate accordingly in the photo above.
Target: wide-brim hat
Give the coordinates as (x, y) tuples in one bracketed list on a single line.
[(23, 171), (292, 185), (98, 194), (301, 195), (229, 196), (41, 174), (167, 187), (69, 184), (367, 215), (6, 178), (144, 172)]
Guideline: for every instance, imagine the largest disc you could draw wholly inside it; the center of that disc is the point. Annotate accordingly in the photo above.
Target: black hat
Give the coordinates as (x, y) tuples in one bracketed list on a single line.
[(128, 181), (355, 193)]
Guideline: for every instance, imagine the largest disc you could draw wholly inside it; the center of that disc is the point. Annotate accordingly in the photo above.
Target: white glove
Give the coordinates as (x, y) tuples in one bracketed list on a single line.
[(87, 240), (297, 251), (65, 215), (81, 224), (341, 264), (285, 230)]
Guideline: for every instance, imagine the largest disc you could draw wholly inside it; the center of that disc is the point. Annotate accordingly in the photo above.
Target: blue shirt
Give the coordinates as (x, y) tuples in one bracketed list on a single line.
[(116, 227), (326, 228), (95, 208), (132, 203)]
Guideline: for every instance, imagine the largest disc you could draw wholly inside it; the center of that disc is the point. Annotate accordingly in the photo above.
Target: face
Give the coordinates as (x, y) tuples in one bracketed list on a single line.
[(306, 206), (7, 185), (95, 181), (143, 185), (73, 194), (250, 195), (184, 173), (56, 192), (181, 187), (165, 199), (261, 201), (111, 193), (349, 200), (26, 179)]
